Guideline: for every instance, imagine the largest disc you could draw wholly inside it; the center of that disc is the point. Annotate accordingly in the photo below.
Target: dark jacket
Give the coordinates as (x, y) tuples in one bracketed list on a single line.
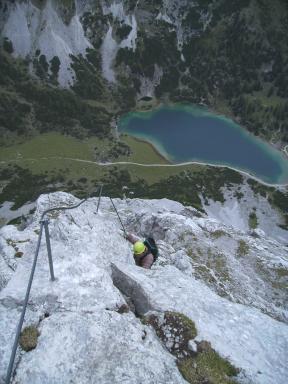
[(145, 260)]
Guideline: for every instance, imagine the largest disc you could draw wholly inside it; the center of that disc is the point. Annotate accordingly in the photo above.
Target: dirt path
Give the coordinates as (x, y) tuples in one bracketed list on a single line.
[(108, 164)]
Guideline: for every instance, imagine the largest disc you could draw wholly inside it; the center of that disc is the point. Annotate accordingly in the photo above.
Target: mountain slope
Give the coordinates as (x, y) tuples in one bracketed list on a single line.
[(109, 54), (231, 57), (77, 315)]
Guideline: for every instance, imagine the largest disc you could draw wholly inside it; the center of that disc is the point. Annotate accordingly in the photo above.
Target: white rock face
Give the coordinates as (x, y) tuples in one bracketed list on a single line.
[(81, 333), (109, 46), (102, 347), (130, 41), (248, 338), (118, 13), (147, 87), (17, 30), (109, 51), (7, 214), (31, 29), (83, 336), (11, 241), (236, 212), (164, 17)]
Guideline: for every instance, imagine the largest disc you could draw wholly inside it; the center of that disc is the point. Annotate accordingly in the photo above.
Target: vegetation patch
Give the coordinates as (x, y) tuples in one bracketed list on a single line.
[(243, 248), (198, 366), (208, 367), (282, 272), (19, 254), (175, 330), (16, 221), (8, 45), (258, 101), (13, 243), (123, 31), (218, 233), (53, 172), (192, 253), (140, 151), (204, 273), (29, 338), (50, 162), (278, 199), (29, 106), (253, 221), (281, 281), (22, 187), (123, 309), (251, 88)]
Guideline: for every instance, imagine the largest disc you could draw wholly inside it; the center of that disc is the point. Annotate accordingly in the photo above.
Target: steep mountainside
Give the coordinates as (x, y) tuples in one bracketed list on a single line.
[(213, 308), (232, 57), (74, 66), (106, 320)]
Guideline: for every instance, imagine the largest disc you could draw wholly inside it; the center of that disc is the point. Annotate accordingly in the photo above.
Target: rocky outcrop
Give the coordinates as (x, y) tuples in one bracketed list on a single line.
[(80, 330), (86, 330), (230, 327), (47, 33), (235, 212), (102, 347)]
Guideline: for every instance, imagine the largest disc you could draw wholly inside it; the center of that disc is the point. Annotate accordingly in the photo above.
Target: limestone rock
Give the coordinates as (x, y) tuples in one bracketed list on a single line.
[(81, 331), (102, 347)]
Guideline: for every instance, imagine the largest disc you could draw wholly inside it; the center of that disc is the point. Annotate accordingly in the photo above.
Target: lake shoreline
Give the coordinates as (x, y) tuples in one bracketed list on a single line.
[(191, 163), (167, 161), (164, 156), (157, 104)]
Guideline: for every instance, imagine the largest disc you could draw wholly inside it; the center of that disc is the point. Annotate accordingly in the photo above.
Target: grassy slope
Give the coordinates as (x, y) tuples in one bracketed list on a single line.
[(53, 144), (49, 145), (142, 152), (46, 152)]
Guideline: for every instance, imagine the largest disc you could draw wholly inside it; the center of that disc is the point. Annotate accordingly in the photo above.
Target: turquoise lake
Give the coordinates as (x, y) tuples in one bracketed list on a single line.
[(188, 133)]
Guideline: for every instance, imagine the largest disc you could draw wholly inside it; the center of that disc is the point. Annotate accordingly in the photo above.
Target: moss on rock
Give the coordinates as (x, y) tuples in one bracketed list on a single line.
[(207, 367), (175, 330), (29, 338)]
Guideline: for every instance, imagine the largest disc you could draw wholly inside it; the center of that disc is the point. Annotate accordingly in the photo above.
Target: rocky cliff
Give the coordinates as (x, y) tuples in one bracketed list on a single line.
[(106, 320)]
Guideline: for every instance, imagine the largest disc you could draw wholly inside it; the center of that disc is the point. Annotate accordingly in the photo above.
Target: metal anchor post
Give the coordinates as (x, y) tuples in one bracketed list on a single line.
[(47, 236), (99, 198)]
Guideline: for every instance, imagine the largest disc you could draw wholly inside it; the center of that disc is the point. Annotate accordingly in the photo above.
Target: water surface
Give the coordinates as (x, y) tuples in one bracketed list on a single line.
[(188, 133)]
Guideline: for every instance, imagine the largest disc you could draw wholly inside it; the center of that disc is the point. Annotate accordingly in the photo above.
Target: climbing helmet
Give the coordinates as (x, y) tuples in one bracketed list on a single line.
[(138, 247)]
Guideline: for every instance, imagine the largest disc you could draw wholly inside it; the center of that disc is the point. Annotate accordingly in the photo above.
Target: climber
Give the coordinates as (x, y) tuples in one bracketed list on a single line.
[(145, 252)]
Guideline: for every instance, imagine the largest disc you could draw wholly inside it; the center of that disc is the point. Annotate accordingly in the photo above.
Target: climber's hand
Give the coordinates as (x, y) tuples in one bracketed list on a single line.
[(123, 234)]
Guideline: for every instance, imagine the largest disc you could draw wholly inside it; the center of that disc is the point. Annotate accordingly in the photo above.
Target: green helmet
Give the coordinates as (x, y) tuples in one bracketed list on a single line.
[(139, 247)]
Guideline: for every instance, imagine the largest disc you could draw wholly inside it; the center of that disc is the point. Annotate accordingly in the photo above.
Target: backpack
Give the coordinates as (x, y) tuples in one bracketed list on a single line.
[(152, 247)]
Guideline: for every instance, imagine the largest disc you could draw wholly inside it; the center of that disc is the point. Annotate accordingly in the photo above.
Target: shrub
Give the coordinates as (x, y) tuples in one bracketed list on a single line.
[(253, 221), (123, 31), (29, 338), (243, 248), (8, 46)]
